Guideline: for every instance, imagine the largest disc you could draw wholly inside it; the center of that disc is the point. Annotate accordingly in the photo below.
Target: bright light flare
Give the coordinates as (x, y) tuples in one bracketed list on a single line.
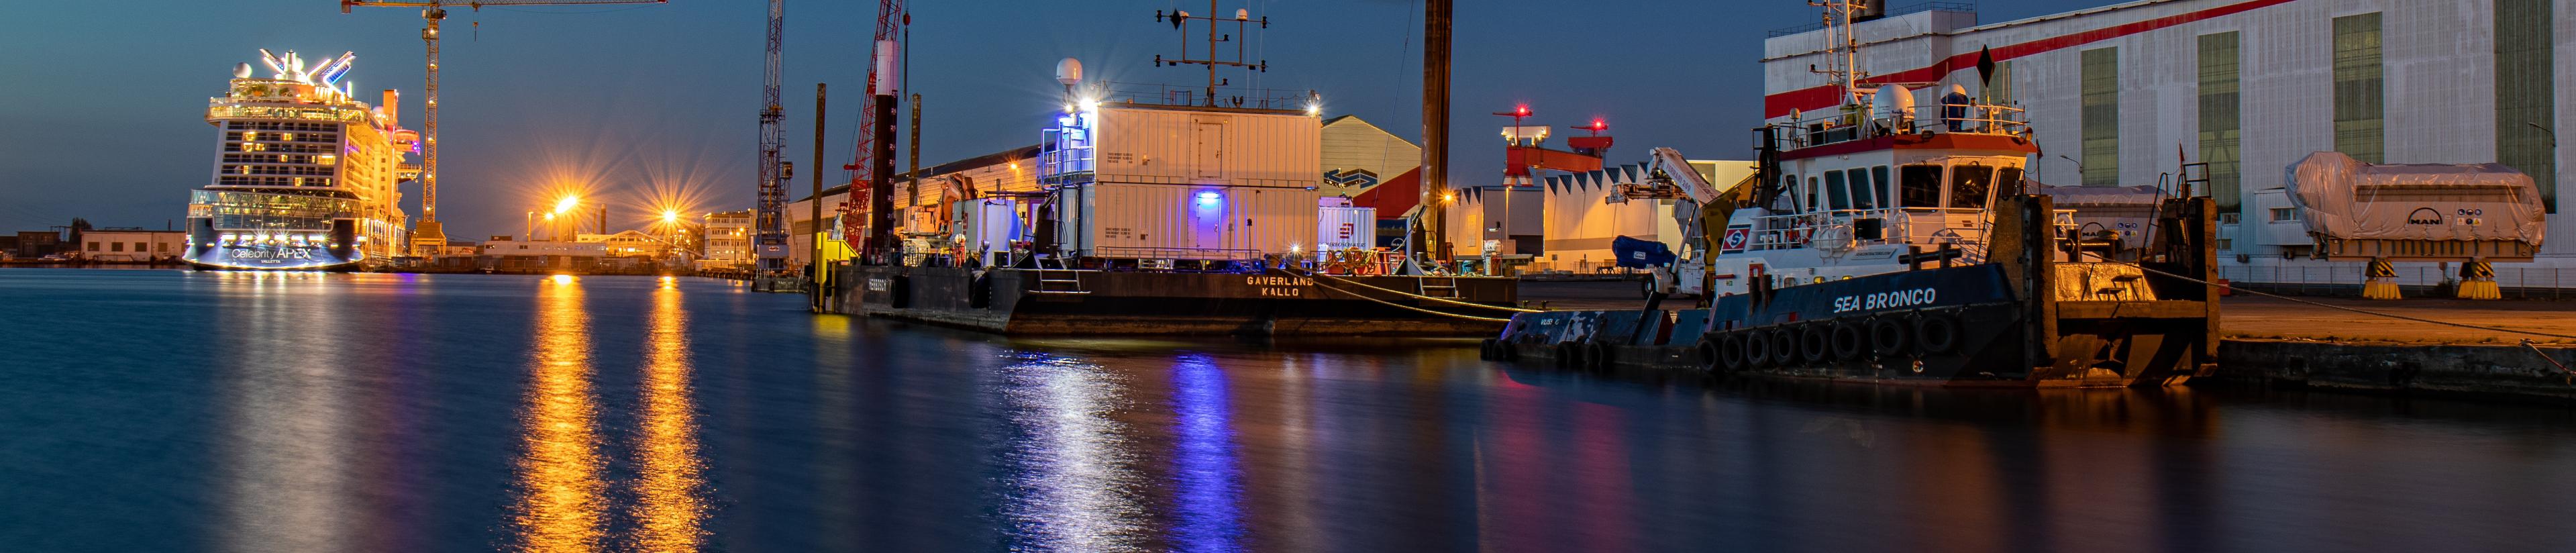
[(567, 203)]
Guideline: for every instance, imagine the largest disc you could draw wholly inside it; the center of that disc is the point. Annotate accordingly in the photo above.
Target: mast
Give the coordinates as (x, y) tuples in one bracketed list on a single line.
[(1435, 129)]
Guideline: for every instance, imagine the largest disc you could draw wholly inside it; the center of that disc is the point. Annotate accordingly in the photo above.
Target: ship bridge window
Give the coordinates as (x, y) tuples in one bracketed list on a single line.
[(1878, 184), (1812, 185), (1919, 185), (1834, 191), (1970, 185), (2009, 178), (1862, 198)]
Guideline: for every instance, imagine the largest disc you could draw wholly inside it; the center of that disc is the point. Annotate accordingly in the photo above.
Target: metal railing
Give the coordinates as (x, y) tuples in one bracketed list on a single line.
[(1860, 123)]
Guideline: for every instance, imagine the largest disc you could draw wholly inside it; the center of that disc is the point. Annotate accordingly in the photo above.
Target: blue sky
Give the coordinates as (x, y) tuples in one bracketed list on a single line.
[(103, 106)]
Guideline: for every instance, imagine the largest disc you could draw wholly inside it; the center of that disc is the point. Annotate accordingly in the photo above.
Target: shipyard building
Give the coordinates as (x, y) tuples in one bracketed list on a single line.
[(2123, 95)]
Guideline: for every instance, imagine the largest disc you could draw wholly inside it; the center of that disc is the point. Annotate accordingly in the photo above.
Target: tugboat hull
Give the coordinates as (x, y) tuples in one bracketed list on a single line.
[(2026, 321)]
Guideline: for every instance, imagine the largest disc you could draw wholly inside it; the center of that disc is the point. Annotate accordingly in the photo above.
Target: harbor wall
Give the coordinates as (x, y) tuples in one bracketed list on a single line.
[(2480, 370)]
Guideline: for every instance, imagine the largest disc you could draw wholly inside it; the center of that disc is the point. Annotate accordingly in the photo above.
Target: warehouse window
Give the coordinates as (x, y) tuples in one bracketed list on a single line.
[(2220, 142), (2360, 123), (2101, 117), (2525, 99), (2285, 215)]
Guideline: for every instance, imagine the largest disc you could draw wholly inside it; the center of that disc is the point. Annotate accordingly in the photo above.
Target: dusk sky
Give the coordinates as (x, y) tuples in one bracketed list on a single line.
[(105, 101)]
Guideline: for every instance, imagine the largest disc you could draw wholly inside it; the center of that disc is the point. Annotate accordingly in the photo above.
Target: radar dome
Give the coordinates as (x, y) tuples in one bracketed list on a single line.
[(241, 70), (1892, 102), (1068, 71)]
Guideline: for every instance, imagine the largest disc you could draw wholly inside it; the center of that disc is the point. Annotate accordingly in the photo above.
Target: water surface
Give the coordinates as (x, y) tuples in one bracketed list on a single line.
[(197, 411)]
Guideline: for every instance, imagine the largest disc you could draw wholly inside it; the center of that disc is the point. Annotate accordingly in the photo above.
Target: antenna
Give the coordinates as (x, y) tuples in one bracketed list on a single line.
[(1242, 22), (1846, 46)]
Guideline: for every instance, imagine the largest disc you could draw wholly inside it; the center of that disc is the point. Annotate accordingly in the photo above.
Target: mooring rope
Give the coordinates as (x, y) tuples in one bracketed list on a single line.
[(1389, 303), (2353, 309), (1413, 295)]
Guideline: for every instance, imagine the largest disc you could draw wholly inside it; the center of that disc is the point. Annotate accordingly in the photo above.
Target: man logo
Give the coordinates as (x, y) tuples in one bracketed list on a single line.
[(2424, 216)]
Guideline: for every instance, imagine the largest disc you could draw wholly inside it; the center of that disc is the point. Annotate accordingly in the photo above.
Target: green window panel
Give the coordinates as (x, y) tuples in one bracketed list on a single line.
[(2101, 117), (2221, 144), (2525, 100), (2360, 100)]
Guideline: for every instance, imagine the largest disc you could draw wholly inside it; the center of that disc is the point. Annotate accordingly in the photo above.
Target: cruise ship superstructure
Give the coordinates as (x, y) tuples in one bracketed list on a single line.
[(305, 176)]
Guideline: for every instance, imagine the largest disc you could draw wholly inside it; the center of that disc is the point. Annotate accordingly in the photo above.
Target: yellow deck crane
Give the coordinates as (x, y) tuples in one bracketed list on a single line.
[(428, 237)]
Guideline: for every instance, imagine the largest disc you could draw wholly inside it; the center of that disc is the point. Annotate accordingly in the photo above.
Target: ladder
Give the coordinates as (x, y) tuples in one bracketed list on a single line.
[(1057, 279), (1443, 287)]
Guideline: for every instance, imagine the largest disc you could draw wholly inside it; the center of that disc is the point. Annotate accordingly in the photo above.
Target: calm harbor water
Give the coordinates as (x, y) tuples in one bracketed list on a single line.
[(183, 411)]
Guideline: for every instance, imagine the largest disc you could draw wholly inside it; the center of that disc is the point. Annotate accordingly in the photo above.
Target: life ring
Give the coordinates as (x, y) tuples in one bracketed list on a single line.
[(1784, 347), (1757, 347), (1935, 332), (1730, 352), (1890, 336), (1850, 340), (1816, 344)]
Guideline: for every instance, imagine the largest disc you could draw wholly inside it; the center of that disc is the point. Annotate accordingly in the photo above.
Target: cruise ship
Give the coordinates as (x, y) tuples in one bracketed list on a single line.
[(305, 174)]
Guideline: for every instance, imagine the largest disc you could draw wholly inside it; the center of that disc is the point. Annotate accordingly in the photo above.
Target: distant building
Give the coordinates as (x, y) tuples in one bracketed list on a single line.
[(132, 245), (628, 243), (34, 244), (728, 241), (518, 255)]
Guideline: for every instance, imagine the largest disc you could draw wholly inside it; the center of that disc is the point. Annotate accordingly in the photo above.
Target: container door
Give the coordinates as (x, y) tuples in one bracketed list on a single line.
[(1208, 220), (1207, 149)]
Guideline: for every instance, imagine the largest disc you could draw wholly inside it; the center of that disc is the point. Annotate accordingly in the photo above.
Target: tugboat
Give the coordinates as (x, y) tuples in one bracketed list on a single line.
[(1164, 211), (1880, 242)]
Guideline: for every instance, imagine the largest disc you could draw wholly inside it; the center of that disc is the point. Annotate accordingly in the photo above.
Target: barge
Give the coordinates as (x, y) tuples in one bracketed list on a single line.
[(1149, 210)]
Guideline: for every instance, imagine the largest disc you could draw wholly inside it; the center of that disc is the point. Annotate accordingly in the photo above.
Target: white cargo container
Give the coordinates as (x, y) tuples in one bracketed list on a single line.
[(1177, 182), (991, 224), (1338, 225)]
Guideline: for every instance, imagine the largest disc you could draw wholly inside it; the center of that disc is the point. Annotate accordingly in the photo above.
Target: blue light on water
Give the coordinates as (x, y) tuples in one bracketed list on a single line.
[(1209, 477)]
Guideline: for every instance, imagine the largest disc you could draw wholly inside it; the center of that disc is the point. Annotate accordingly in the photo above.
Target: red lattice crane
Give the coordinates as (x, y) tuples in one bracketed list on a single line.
[(873, 164)]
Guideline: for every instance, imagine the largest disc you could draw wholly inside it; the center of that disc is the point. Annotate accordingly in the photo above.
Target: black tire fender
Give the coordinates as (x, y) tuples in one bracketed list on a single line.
[(1890, 336), (1568, 356), (1707, 353), (1816, 343), (1730, 352), (1784, 346), (1757, 347), (1936, 332), (1598, 355), (1850, 340)]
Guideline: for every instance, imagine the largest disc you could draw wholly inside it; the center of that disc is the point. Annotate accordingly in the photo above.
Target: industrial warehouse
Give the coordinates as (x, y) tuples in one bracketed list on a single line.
[(2250, 87)]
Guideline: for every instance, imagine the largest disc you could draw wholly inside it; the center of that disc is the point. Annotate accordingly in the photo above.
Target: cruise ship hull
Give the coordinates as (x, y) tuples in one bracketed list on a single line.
[(210, 248)]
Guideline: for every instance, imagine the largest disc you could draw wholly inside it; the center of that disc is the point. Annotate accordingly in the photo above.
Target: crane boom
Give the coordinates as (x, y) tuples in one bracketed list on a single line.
[(769, 228), (874, 161), (430, 234)]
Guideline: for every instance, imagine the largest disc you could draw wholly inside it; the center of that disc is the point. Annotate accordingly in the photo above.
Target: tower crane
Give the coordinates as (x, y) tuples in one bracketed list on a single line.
[(429, 232), (874, 161), (769, 225)]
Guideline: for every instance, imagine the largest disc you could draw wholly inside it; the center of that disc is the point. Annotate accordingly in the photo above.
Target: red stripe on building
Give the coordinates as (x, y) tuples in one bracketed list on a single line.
[(1781, 104)]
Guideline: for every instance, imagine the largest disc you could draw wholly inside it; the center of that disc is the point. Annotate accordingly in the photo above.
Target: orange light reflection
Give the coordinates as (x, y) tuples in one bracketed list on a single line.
[(560, 501), (670, 505)]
